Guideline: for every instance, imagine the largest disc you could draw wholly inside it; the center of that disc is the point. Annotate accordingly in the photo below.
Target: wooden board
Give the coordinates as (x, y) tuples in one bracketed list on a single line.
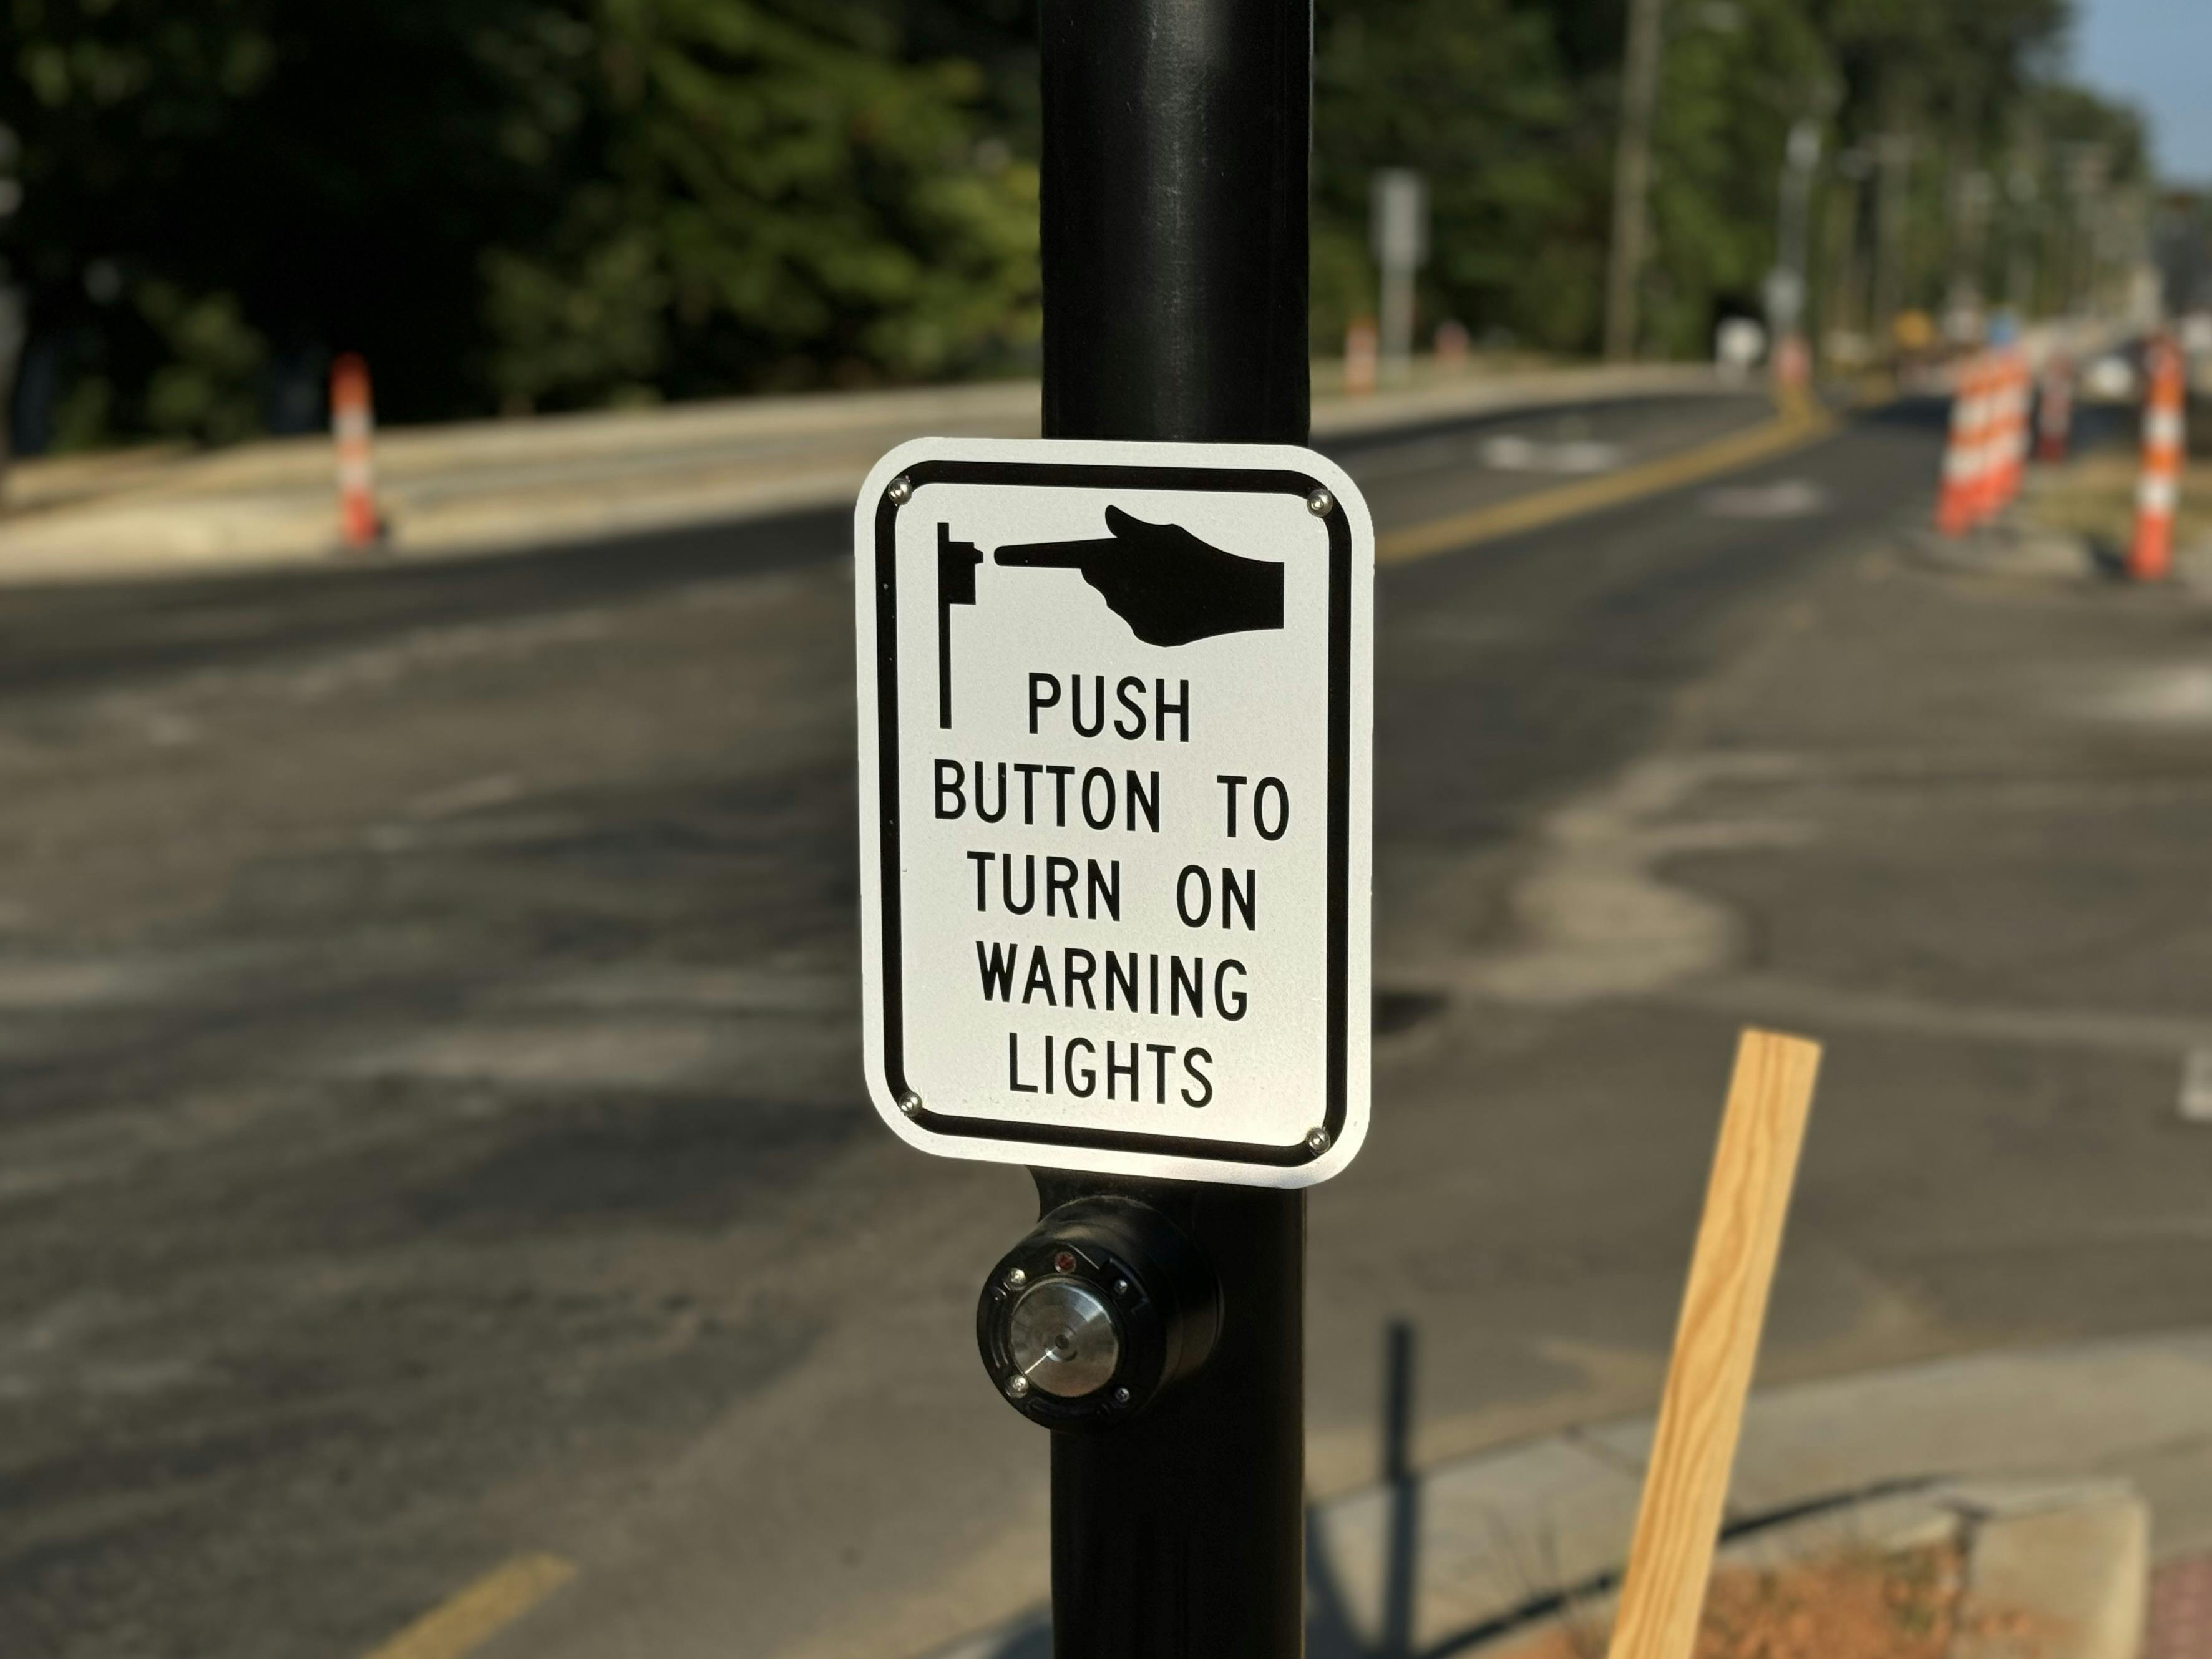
[(1716, 1346)]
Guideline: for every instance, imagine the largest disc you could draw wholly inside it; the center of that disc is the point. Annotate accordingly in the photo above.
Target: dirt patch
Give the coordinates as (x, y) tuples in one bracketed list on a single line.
[(1858, 1605)]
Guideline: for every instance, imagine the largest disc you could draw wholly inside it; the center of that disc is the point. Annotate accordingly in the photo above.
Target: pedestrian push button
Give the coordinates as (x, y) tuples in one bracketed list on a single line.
[(1103, 1307)]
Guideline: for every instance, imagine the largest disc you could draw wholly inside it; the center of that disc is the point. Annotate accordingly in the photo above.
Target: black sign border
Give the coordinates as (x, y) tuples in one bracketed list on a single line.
[(1235, 480)]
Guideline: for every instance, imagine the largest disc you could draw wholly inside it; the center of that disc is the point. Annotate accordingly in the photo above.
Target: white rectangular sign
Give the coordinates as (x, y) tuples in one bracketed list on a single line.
[(1116, 710)]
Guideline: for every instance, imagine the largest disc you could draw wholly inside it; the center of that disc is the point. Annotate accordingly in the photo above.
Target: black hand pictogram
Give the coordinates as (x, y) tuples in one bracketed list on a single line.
[(1169, 586)]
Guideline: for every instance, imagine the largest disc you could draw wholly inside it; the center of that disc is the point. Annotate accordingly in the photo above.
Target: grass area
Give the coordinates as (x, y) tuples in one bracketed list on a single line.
[(2094, 496)]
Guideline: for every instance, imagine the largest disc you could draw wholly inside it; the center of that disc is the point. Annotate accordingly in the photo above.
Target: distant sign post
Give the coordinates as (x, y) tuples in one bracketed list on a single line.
[(1398, 216), (1114, 774)]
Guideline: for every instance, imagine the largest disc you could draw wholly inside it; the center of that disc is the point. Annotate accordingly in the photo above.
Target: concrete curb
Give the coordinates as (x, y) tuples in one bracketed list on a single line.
[(494, 486), (2071, 1564), (2046, 1467)]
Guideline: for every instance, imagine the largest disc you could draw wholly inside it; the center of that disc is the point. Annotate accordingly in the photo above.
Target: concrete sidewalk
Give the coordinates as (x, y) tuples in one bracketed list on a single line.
[(492, 486), (1499, 1536)]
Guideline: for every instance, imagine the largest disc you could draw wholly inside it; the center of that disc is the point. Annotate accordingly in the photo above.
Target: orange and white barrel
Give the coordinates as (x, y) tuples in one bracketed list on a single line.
[(2158, 492), (1958, 506), (353, 425), (2014, 400)]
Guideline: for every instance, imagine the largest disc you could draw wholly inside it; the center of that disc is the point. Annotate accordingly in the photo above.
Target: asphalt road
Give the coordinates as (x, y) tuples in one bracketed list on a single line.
[(429, 1122)]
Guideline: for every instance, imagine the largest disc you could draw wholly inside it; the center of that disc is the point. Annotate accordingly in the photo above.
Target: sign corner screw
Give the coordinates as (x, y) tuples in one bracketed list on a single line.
[(902, 490), (1321, 503), (910, 1103), (1317, 1139)]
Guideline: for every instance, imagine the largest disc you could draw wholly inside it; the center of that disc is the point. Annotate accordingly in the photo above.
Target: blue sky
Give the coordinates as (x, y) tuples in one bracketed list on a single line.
[(2157, 54)]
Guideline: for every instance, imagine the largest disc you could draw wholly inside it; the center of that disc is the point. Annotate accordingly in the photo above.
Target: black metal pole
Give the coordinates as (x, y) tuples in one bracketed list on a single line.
[(1176, 135), (1179, 1536)]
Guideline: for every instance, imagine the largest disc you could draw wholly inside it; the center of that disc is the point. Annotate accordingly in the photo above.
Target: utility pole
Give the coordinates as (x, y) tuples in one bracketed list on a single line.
[(2020, 262), (1893, 159), (1786, 284), (1845, 312), (1971, 195), (2087, 167), (1631, 177)]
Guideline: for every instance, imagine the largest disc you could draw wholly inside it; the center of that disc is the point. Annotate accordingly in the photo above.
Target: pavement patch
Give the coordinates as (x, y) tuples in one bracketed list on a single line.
[(62, 985), (719, 988), (1509, 452), (662, 1053), (1786, 498), (2197, 1086), (1593, 918), (2169, 694)]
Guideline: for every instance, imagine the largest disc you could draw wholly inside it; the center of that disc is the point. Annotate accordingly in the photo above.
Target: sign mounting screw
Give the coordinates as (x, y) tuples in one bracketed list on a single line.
[(902, 490), (1317, 1139), (1321, 503), (910, 1103)]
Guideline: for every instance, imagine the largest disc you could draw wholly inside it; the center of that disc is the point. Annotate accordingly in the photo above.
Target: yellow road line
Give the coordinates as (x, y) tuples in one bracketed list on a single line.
[(467, 1620), (1775, 437)]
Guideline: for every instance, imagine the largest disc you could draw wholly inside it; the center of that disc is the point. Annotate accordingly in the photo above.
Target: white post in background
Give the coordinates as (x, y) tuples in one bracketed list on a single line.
[(1787, 284), (1398, 222)]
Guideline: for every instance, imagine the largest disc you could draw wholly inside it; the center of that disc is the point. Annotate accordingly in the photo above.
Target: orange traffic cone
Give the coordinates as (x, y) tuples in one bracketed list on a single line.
[(2156, 495), (353, 424)]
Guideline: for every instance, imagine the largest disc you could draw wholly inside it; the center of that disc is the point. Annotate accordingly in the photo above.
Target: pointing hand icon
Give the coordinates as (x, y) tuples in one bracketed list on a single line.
[(1169, 586)]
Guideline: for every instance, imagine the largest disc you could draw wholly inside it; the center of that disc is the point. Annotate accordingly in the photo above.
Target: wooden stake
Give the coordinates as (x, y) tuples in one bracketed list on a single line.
[(1716, 1345)]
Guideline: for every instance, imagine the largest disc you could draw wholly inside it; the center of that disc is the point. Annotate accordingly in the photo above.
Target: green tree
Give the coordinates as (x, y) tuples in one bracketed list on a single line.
[(1473, 94), (500, 202), (559, 203), (772, 197)]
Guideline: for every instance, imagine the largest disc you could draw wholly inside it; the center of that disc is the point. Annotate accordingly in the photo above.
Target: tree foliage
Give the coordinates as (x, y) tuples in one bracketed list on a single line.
[(1511, 107), (540, 205), (504, 203), (772, 196)]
